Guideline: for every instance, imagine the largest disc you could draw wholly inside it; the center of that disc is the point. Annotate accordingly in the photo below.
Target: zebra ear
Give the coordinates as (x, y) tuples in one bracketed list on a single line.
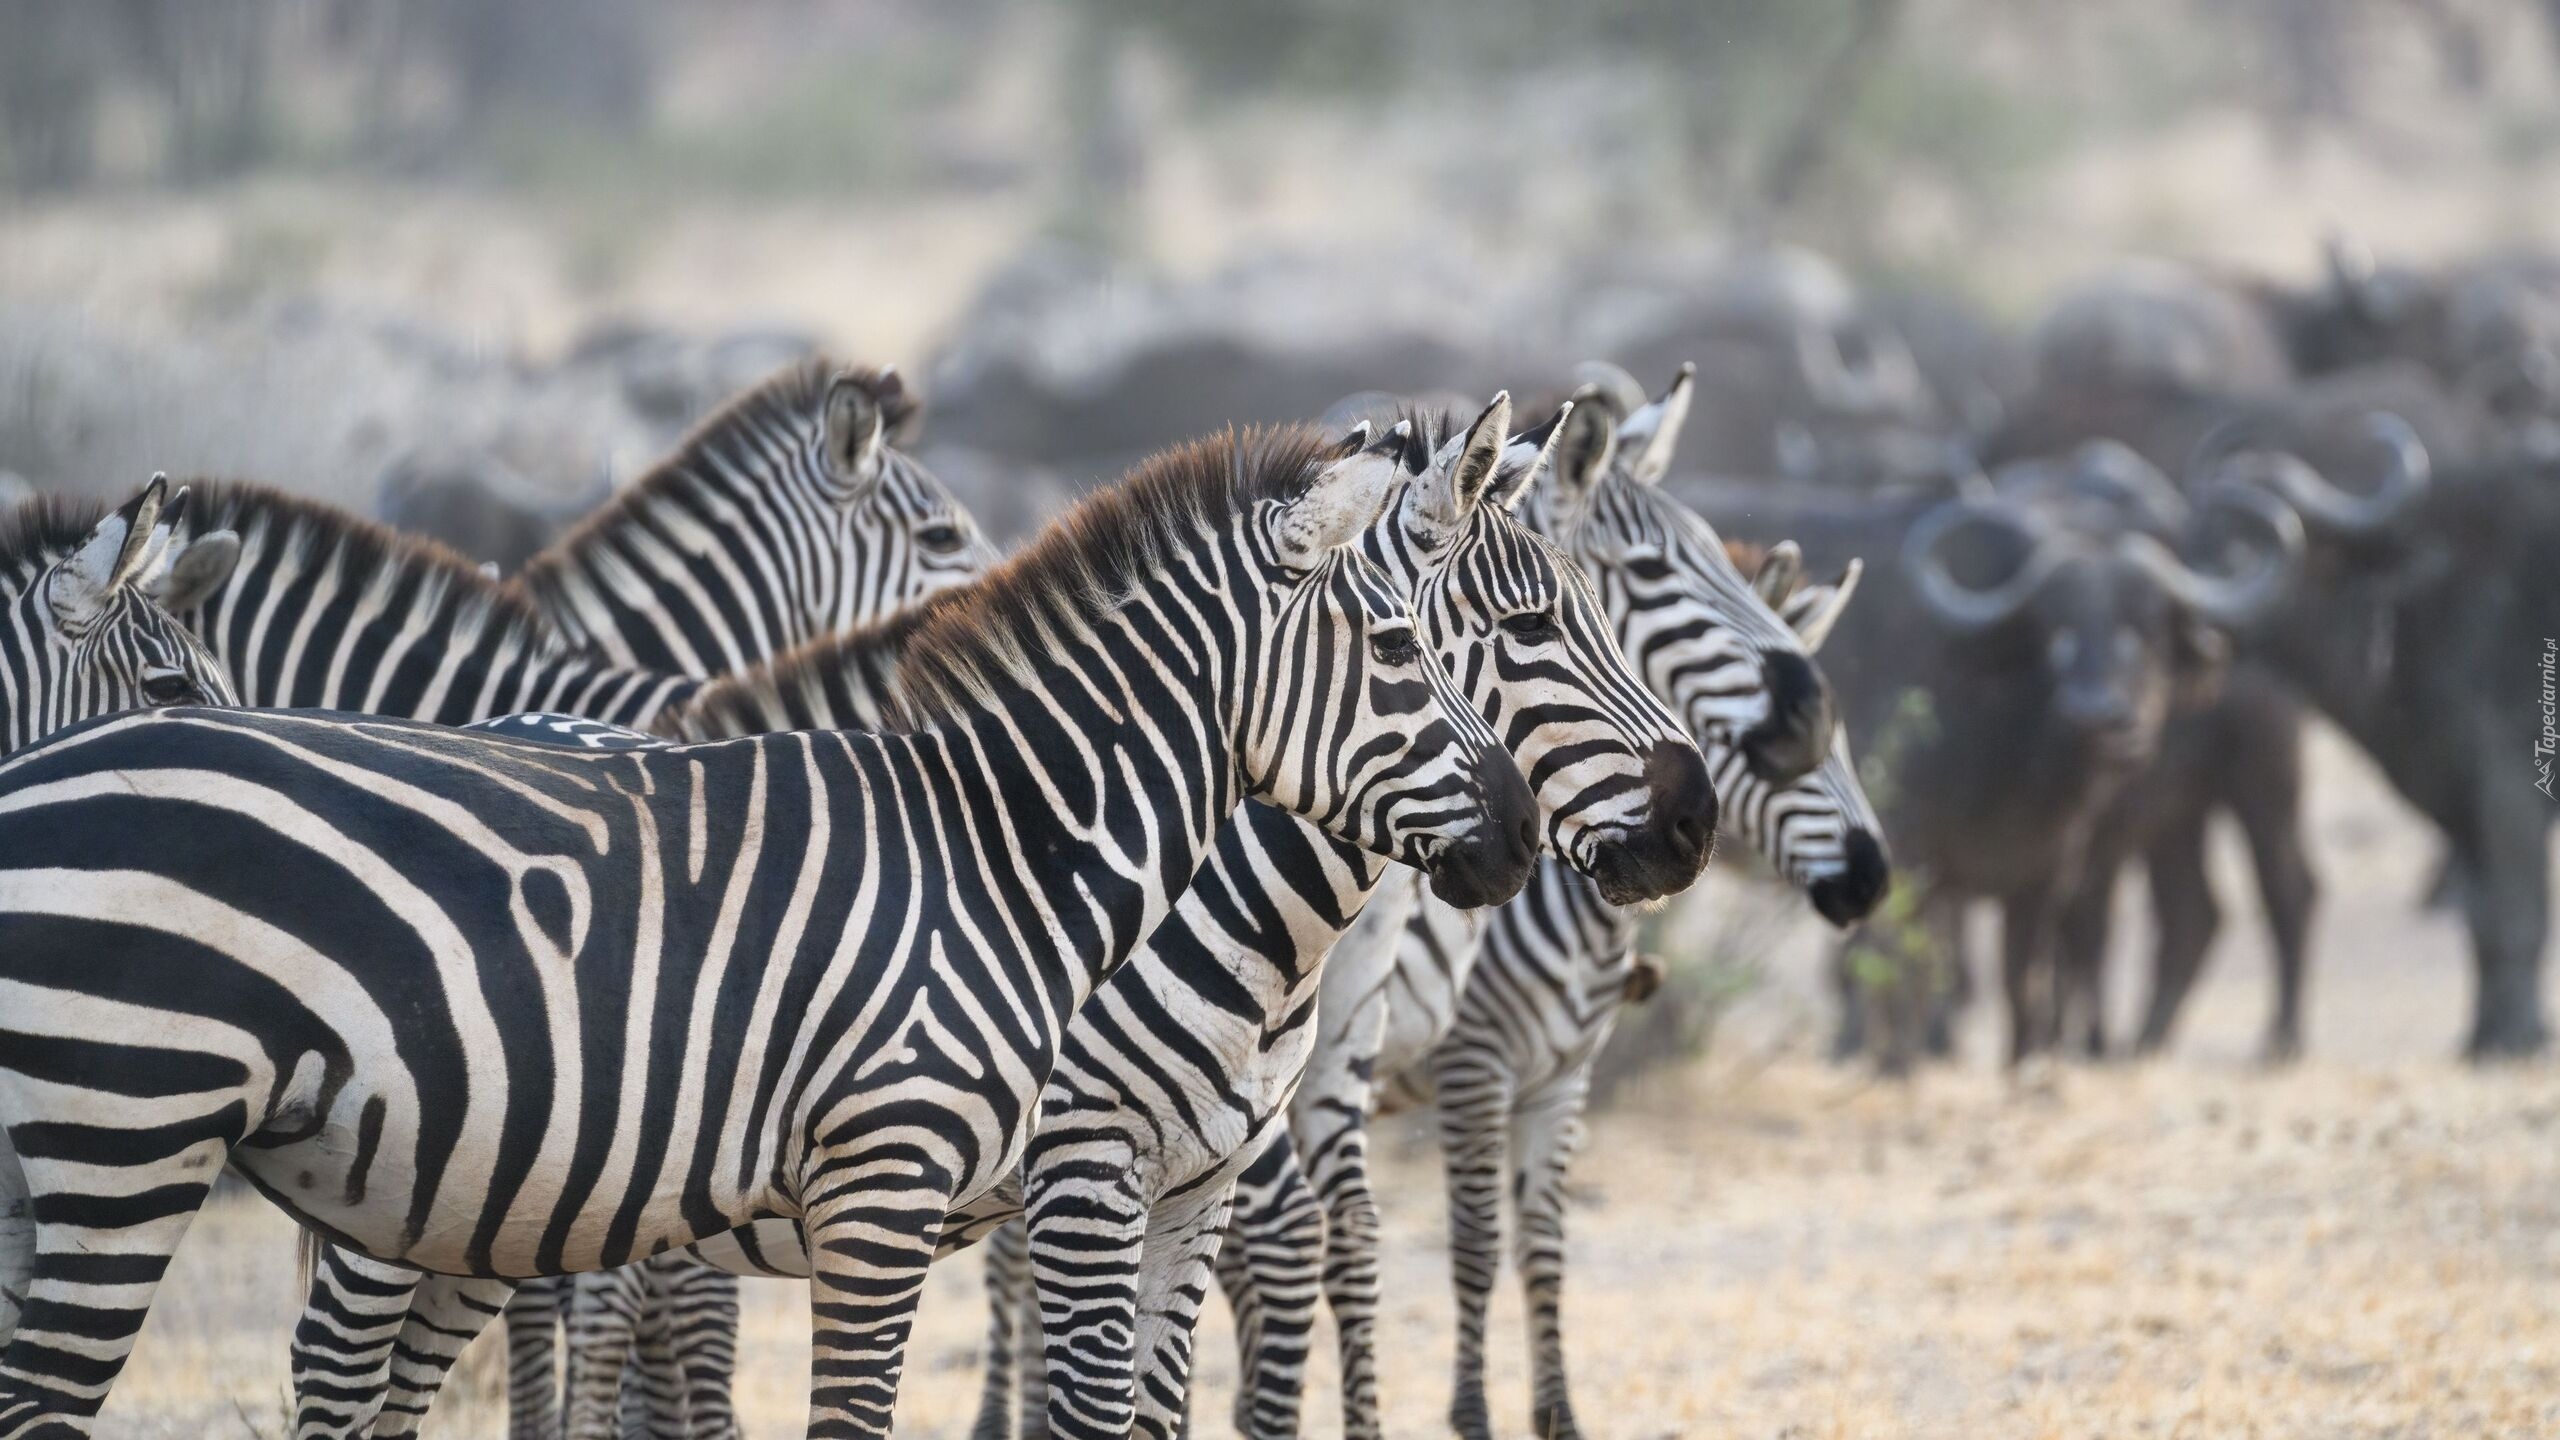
[(1526, 458), (1585, 446), (194, 570), (1341, 501), (1814, 609), (1649, 436), (109, 557), (1781, 570), (1458, 476), (857, 429)]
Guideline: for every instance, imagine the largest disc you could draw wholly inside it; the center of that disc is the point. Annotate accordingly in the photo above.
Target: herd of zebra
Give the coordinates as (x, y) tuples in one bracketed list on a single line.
[(771, 879)]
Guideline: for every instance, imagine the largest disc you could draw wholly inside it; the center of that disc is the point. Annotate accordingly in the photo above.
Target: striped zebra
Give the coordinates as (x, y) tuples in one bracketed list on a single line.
[(624, 1021), (1189, 1051), (784, 517), (1690, 625), (87, 633), (1548, 975), (1512, 1078)]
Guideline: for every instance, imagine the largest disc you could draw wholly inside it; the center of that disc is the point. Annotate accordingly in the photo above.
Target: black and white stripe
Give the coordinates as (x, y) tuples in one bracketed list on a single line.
[(603, 1003), (786, 516), (1691, 627)]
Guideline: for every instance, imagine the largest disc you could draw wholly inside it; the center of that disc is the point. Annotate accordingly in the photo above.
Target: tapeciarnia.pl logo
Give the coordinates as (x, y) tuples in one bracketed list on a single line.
[(2543, 747)]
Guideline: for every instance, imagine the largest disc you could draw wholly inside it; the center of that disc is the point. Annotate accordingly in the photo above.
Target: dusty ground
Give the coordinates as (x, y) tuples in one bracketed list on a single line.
[(2365, 1246)]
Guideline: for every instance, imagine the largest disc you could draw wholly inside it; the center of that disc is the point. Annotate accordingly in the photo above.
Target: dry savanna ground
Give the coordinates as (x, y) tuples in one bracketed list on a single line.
[(2367, 1245)]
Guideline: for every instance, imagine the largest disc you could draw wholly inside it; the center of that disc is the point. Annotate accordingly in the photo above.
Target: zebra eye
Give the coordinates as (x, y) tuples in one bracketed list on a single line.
[(170, 687), (942, 539), (1530, 627), (1395, 647)]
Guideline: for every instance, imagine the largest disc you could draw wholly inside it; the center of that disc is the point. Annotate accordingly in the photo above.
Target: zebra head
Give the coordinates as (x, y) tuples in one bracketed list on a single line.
[(91, 633), (1353, 722), (900, 535), (1625, 796), (1819, 833), (1688, 621)]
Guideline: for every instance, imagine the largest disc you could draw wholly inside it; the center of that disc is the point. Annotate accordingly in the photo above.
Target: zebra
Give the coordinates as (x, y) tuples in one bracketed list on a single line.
[(785, 516), (1737, 677), (1572, 951), (1238, 959), (206, 897), (87, 631), (1512, 1078)]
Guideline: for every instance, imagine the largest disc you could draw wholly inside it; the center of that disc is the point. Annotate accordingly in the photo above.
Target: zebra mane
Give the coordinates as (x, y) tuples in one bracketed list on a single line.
[(36, 532), (1083, 565), (791, 398), (315, 532), (826, 681)]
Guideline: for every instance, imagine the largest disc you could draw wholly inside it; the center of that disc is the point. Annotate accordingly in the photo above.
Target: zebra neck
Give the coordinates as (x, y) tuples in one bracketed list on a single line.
[(1100, 795)]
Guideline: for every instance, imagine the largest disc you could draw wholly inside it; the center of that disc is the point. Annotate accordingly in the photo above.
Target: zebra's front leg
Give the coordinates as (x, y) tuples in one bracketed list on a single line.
[(1008, 1255), (533, 1358), (342, 1347), (445, 1316), (872, 1229), (1475, 1107), (604, 1319), (1180, 1254), (1088, 1237), (700, 1305), (1271, 1265), (1545, 1133)]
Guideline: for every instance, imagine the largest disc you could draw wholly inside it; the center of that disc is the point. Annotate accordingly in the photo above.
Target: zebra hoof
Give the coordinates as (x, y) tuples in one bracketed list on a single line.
[(1554, 1422)]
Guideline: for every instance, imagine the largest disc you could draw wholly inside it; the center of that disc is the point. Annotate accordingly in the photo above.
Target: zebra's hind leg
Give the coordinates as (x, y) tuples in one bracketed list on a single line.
[(343, 1345), (1088, 1225), (1545, 1133), (115, 1202), (448, 1313), (1272, 1265), (533, 1358), (1173, 1280), (1008, 1280), (1475, 1109)]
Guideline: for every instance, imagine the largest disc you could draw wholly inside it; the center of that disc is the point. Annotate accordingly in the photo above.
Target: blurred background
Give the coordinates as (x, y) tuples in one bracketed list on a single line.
[(466, 265)]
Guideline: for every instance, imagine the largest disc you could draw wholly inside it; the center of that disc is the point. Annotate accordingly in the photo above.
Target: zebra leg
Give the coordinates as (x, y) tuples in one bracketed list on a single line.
[(604, 1315), (1031, 1371), (1545, 1133), (533, 1358), (448, 1313), (1088, 1225), (651, 1391), (342, 1347), (110, 1205), (17, 1237), (701, 1305), (1272, 1267), (1475, 1108), (871, 1232), (1008, 1280), (1173, 1280)]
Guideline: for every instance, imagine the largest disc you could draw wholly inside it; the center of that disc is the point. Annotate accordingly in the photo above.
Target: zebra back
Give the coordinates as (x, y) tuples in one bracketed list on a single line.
[(786, 515)]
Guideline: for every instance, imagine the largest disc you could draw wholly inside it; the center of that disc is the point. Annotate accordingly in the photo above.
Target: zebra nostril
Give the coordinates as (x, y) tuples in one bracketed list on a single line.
[(1529, 833)]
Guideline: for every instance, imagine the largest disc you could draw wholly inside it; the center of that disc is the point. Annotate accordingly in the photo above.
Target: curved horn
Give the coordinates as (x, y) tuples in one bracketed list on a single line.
[(1958, 605), (2235, 600), (2116, 473), (2321, 502)]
